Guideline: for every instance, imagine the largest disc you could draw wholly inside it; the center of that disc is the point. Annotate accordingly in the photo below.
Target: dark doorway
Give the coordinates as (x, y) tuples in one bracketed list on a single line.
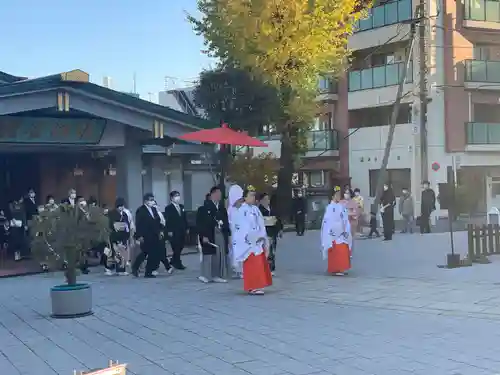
[(18, 173)]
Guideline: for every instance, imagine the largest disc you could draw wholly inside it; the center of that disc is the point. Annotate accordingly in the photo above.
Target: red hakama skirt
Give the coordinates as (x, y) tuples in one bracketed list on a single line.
[(256, 272), (339, 258)]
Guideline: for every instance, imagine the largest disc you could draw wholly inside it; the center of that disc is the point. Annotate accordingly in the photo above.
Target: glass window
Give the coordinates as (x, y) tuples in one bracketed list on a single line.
[(316, 179), (398, 178), (481, 52)]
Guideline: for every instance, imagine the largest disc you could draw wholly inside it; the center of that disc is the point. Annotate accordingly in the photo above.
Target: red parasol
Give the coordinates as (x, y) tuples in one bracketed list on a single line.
[(223, 136)]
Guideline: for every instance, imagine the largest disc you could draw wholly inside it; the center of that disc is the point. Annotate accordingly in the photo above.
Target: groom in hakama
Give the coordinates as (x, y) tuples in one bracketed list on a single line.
[(336, 237), (251, 245)]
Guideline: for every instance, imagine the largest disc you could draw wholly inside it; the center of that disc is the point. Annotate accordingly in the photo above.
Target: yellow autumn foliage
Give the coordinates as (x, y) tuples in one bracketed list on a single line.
[(284, 42)]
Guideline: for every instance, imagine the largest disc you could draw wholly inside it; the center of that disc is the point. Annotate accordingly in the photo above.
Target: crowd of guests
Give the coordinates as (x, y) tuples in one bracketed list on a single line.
[(144, 237)]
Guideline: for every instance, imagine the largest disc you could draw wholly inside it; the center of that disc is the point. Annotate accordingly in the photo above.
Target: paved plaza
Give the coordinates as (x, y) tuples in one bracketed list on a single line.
[(396, 313)]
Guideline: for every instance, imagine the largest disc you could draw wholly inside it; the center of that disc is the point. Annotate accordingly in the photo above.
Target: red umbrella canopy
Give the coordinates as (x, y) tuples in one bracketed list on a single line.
[(223, 136)]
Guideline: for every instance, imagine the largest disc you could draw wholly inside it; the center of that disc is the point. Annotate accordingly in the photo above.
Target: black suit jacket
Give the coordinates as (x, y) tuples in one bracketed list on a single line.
[(175, 222), (207, 218), (30, 208), (147, 226)]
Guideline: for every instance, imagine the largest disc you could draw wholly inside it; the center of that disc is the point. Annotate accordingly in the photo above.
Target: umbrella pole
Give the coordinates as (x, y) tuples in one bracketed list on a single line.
[(223, 162)]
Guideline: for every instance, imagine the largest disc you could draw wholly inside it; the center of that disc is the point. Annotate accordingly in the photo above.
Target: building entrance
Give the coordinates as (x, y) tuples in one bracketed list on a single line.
[(19, 172)]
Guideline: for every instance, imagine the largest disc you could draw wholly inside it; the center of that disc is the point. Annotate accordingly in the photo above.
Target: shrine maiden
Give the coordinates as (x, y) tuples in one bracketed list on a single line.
[(250, 245), (336, 237)]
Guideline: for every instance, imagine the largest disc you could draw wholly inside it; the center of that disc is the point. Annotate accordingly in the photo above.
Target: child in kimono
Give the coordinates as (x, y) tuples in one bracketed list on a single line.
[(251, 245), (336, 238)]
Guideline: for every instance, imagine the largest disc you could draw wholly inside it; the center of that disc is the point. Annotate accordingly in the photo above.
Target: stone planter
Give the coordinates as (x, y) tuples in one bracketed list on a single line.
[(71, 301)]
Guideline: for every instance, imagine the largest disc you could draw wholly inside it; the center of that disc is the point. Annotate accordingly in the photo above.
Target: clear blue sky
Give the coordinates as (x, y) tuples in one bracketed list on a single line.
[(104, 38)]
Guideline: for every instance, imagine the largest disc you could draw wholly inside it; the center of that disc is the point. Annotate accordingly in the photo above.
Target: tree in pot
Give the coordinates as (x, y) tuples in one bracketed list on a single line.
[(60, 238)]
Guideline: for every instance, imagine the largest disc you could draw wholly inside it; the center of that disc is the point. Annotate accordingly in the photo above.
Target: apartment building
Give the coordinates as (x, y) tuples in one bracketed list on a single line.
[(463, 118)]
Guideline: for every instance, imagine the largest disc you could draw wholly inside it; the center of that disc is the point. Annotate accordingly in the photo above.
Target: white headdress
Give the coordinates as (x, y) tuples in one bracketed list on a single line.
[(235, 193)]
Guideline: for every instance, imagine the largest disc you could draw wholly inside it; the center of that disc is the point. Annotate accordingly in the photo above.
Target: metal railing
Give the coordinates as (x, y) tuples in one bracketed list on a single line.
[(322, 140), (481, 133), (386, 14), (482, 10), (482, 71), (379, 76)]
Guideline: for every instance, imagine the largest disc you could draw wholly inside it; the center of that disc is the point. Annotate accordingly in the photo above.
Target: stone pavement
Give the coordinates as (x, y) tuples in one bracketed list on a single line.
[(396, 313)]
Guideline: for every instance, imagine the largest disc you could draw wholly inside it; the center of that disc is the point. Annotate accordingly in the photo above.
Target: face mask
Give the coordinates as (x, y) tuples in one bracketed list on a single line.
[(83, 203), (105, 211), (72, 196), (426, 186), (405, 192), (357, 194), (176, 199), (32, 195), (299, 195), (386, 188), (51, 201), (347, 196), (120, 209), (150, 203)]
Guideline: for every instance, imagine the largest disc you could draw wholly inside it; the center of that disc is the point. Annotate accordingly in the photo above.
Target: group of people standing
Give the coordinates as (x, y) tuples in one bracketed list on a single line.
[(238, 240)]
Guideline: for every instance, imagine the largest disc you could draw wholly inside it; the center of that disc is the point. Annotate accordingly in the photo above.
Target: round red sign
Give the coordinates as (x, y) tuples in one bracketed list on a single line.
[(435, 166)]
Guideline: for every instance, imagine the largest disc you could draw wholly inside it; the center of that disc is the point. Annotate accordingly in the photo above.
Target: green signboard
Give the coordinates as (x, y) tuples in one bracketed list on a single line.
[(52, 130)]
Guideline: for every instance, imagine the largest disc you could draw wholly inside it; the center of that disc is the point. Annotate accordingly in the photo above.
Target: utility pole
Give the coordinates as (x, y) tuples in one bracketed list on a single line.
[(424, 162), (394, 117)]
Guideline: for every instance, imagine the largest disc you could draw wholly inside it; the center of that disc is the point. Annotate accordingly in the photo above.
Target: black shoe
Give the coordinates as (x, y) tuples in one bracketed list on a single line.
[(135, 273), (149, 276), (179, 266), (85, 271)]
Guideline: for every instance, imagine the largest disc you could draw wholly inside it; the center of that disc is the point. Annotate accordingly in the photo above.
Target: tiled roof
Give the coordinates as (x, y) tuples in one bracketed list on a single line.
[(17, 85)]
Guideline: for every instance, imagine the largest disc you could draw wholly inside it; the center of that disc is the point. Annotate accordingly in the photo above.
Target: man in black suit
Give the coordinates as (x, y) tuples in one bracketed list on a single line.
[(30, 205), (149, 233), (176, 228)]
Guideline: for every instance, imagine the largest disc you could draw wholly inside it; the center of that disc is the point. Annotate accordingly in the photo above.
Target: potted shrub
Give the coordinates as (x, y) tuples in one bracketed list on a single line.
[(60, 238)]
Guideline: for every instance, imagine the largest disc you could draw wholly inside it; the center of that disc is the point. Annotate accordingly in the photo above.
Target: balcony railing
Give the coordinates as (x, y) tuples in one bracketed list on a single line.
[(482, 71), (482, 10), (323, 140), (386, 14), (480, 133), (379, 76)]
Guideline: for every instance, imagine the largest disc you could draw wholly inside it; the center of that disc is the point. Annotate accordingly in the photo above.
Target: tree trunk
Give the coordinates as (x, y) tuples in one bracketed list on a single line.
[(285, 174)]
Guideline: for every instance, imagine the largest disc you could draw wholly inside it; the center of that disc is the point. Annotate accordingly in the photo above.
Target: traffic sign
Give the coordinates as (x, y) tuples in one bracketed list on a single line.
[(435, 166)]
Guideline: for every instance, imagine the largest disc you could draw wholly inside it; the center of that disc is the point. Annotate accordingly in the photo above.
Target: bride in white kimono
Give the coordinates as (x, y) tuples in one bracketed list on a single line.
[(250, 245), (235, 199), (336, 238)]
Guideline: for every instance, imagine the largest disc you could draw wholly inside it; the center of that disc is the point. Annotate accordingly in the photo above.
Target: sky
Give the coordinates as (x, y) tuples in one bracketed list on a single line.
[(114, 38)]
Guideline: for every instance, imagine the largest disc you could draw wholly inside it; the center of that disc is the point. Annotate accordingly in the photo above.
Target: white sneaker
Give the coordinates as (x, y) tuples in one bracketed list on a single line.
[(17, 256), (256, 292), (125, 273), (219, 280), (203, 279), (170, 270), (108, 272), (273, 273), (341, 274), (155, 273)]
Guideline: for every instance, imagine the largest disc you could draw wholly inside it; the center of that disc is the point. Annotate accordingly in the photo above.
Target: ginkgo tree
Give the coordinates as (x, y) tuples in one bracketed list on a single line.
[(285, 43)]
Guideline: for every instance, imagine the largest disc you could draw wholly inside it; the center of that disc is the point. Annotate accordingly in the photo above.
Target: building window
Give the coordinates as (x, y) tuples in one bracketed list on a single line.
[(314, 178), (267, 130), (378, 116), (397, 178), (481, 52)]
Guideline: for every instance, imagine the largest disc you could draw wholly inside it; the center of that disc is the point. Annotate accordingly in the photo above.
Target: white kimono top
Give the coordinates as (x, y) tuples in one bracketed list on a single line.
[(249, 236), (335, 227)]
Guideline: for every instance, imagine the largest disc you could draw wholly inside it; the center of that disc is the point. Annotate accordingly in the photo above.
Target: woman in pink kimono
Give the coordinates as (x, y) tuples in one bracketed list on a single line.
[(353, 211)]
